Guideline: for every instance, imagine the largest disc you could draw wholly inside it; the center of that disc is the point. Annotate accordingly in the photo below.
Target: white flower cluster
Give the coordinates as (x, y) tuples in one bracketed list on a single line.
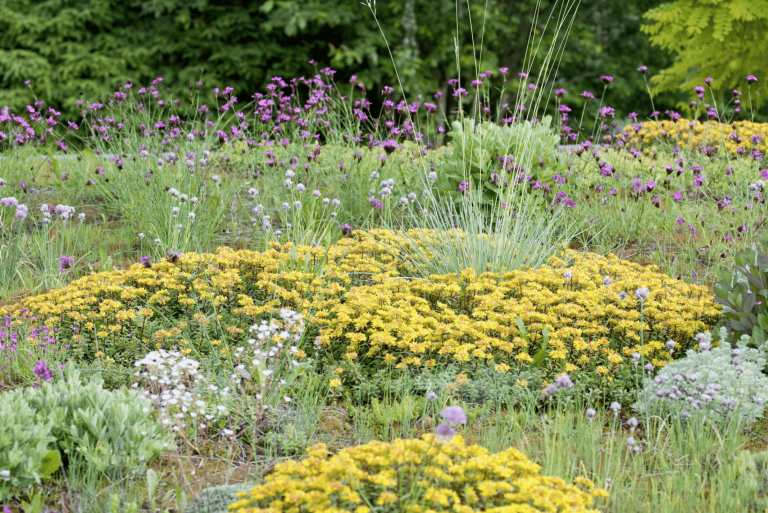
[(171, 381), (268, 363), (711, 383)]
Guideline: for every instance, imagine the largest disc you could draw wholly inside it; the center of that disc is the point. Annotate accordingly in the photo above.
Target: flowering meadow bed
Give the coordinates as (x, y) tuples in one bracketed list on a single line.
[(580, 310)]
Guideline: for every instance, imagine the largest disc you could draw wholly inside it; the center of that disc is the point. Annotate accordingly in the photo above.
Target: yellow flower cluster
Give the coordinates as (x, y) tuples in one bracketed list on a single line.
[(363, 306), (579, 321), (415, 476), (693, 134)]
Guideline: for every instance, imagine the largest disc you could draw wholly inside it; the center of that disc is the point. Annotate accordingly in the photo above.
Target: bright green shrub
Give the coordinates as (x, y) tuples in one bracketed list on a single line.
[(475, 152), (25, 445), (106, 429)]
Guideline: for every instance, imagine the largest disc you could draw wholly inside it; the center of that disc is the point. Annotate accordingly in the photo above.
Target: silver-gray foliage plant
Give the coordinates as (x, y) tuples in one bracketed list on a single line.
[(711, 382), (217, 498)]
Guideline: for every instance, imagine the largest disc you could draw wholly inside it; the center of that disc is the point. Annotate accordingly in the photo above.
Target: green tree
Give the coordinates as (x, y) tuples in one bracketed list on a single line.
[(722, 39), (69, 47)]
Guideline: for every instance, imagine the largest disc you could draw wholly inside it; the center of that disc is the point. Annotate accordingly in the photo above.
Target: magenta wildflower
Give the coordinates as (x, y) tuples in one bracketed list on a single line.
[(42, 371), (66, 262)]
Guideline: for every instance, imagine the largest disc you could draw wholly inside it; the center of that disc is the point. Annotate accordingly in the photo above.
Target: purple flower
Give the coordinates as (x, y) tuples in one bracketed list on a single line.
[(564, 381), (42, 371), (550, 390), (444, 432), (454, 414), (751, 79), (463, 186), (708, 81), (587, 96), (66, 262), (146, 261), (606, 79), (431, 396), (21, 211), (172, 256), (642, 294), (642, 69)]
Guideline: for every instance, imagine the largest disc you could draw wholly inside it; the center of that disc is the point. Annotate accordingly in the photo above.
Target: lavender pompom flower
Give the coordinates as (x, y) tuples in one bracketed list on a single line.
[(564, 381), (454, 414), (444, 432), (642, 294)]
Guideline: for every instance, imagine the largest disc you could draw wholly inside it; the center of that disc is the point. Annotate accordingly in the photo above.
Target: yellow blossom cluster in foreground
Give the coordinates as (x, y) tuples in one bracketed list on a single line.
[(415, 476), (693, 134), (361, 304)]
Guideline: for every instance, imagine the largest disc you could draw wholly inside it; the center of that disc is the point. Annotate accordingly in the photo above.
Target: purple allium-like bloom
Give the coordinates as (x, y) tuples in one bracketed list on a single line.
[(622, 295), (42, 371), (550, 390), (615, 407), (66, 262), (146, 261), (591, 413), (642, 294), (444, 432), (564, 381), (431, 396), (21, 211), (454, 414)]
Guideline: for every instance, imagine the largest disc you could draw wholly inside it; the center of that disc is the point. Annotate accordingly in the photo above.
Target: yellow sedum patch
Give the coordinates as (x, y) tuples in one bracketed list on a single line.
[(415, 476), (364, 307), (709, 133)]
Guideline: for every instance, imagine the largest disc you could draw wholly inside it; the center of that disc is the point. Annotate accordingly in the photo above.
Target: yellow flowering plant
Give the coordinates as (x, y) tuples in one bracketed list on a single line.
[(364, 307), (693, 134), (422, 475)]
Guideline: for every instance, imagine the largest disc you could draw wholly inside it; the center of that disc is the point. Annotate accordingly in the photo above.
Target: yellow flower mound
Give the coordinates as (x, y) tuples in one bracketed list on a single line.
[(362, 307), (415, 476), (709, 133)]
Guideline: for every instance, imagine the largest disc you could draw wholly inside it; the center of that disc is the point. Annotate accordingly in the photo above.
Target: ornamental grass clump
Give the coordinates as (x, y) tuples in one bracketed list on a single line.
[(416, 475)]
